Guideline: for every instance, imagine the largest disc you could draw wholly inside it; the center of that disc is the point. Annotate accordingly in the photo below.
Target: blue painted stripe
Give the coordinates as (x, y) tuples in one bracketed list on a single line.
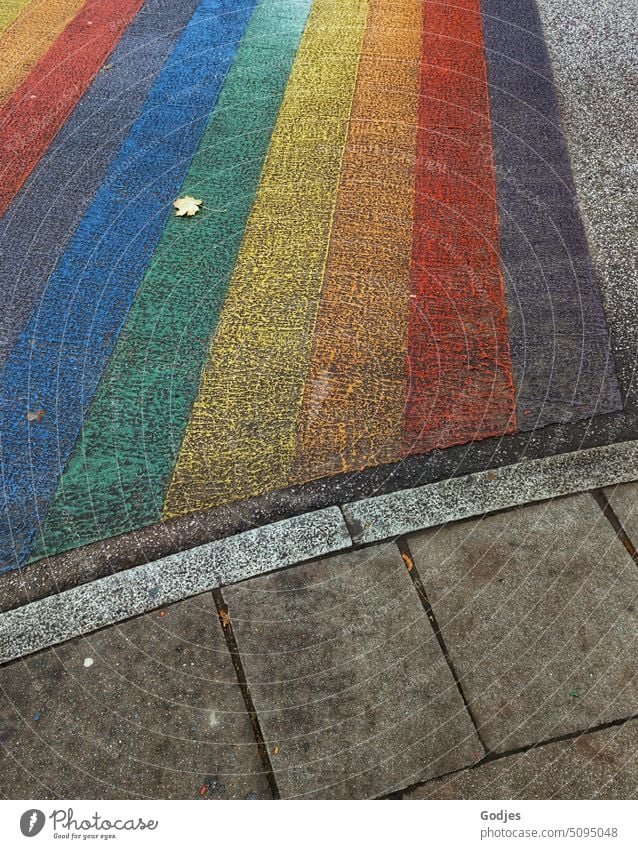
[(58, 360), (37, 227)]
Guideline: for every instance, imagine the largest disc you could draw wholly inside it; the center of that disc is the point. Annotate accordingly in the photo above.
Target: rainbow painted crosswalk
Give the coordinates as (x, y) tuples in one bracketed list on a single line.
[(389, 259)]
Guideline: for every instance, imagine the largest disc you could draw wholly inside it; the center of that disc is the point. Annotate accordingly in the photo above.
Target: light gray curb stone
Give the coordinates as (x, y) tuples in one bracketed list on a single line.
[(117, 597), (411, 510)]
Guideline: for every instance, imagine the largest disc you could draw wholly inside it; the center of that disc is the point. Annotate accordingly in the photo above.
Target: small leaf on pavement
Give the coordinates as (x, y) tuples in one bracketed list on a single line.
[(408, 561), (187, 206)]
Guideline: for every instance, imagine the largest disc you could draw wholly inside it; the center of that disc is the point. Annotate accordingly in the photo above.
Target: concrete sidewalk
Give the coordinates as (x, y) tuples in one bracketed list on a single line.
[(488, 658)]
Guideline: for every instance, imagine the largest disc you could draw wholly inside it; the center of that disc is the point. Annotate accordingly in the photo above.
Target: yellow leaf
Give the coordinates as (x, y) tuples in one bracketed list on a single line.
[(408, 561), (187, 205)]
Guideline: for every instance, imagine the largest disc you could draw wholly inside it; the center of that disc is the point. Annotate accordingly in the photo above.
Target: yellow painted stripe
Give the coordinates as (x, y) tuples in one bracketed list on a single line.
[(9, 11), (352, 415), (33, 32), (241, 436)]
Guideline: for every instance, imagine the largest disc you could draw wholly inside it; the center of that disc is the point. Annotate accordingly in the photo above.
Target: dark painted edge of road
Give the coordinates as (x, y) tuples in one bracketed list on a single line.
[(63, 571)]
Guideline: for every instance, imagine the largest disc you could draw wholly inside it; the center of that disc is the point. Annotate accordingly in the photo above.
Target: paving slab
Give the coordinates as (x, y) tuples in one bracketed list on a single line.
[(354, 696), (624, 502), (538, 608), (596, 765), (148, 709)]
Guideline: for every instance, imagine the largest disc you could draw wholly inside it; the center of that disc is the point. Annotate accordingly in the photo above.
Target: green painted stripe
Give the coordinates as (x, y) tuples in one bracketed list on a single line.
[(122, 463)]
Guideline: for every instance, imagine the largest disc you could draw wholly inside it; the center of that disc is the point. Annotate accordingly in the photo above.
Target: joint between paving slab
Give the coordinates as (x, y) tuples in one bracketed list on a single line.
[(400, 794), (354, 526), (233, 648), (492, 757), (603, 502), (413, 572)]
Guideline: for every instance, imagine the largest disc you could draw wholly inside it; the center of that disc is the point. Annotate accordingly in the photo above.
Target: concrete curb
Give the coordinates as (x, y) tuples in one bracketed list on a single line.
[(117, 597), (412, 510), (106, 601)]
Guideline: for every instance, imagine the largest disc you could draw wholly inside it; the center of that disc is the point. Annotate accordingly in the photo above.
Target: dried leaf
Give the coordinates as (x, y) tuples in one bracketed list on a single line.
[(35, 416), (407, 560), (223, 615), (275, 751), (187, 206)]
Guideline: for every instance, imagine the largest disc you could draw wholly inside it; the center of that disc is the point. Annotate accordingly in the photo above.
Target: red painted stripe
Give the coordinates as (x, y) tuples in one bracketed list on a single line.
[(460, 384), (33, 115)]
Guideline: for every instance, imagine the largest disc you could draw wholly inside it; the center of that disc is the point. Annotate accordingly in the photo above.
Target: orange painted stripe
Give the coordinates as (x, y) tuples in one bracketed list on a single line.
[(32, 116), (352, 413), (460, 377), (23, 45)]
